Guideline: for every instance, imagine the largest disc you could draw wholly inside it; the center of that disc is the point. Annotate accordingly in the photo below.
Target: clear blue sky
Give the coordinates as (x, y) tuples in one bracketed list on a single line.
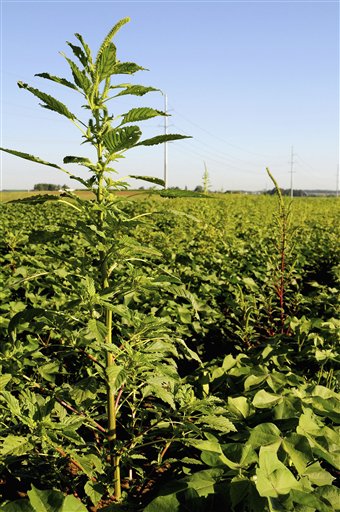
[(247, 80)]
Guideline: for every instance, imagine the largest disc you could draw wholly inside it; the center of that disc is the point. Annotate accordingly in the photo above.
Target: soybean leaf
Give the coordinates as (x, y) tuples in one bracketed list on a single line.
[(49, 102), (45, 501), (17, 506)]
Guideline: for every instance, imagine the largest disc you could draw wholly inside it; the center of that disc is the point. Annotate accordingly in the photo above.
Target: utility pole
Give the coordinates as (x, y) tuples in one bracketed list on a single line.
[(165, 143), (337, 182), (291, 172)]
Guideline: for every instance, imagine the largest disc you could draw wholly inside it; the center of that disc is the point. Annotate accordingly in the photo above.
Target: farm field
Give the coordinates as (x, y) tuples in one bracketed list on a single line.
[(225, 334)]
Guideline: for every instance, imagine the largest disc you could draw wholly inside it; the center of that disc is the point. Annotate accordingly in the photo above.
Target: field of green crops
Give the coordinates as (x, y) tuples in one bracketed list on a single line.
[(224, 348)]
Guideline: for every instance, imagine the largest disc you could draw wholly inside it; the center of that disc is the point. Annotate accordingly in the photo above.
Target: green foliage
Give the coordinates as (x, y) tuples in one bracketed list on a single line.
[(188, 361)]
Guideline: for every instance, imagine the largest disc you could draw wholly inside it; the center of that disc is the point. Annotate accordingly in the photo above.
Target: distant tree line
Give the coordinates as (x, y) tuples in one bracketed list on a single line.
[(49, 186)]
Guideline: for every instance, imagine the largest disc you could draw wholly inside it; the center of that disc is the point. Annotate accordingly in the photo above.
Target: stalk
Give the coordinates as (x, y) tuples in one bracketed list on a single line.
[(111, 403)]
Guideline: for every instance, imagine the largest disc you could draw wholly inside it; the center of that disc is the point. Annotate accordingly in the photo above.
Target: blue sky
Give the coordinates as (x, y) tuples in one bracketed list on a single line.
[(247, 80)]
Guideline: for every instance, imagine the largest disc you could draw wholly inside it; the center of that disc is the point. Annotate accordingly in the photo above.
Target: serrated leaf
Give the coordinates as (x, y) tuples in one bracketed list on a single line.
[(141, 114), (15, 445), (121, 138), (4, 380), (126, 68), (150, 179), (97, 329), (32, 158), (85, 46), (12, 403), (219, 423), (49, 102), (79, 53), (135, 90), (109, 36), (77, 160), (106, 62), (58, 80), (159, 139), (48, 371), (116, 376), (79, 76)]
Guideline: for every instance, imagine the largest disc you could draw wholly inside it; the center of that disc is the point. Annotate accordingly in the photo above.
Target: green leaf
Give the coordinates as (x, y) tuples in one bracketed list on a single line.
[(97, 329), (79, 53), (48, 371), (79, 76), (49, 102), (273, 478), (94, 491), (150, 179), (58, 80), (116, 376), (265, 400), (45, 501), (17, 506), (317, 475), (331, 494), (4, 380), (264, 434), (169, 503), (254, 380), (32, 158), (72, 504), (135, 90), (219, 423), (77, 160), (86, 48), (15, 445), (141, 114), (109, 36), (308, 499), (239, 406), (106, 62), (121, 138), (298, 450), (159, 139), (126, 68)]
